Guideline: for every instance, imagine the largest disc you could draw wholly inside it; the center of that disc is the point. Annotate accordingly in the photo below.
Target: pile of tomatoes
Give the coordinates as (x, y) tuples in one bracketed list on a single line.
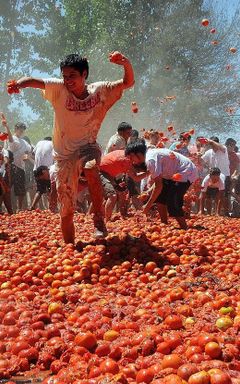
[(150, 304)]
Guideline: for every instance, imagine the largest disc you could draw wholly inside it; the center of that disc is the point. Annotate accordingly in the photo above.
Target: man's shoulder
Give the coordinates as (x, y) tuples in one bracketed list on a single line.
[(206, 179), (97, 85)]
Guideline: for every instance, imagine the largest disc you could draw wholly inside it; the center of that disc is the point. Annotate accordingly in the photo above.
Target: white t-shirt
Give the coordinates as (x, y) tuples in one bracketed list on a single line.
[(218, 159), (19, 147), (52, 173), (77, 122), (165, 163), (207, 182), (116, 142), (43, 154)]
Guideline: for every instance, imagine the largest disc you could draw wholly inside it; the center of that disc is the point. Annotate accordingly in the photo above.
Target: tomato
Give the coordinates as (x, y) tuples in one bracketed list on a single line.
[(213, 350), (87, 340), (173, 322), (109, 366), (144, 376), (187, 370), (172, 361), (201, 377)]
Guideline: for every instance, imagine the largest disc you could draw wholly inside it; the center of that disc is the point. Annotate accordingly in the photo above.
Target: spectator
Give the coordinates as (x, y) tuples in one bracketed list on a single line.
[(6, 174), (29, 177), (171, 174), (212, 193), (46, 184), (236, 198), (43, 153), (181, 146), (217, 157), (234, 160), (153, 139), (134, 136), (19, 147), (119, 140)]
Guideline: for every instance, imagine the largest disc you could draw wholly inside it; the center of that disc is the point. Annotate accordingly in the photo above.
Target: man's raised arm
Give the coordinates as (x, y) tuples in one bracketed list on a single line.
[(119, 59), (25, 82)]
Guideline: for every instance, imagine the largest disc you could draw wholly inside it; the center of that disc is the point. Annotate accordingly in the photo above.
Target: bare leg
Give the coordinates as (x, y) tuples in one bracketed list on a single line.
[(162, 209), (8, 202), (209, 206), (68, 230), (182, 222), (110, 204), (96, 194), (136, 202), (20, 202)]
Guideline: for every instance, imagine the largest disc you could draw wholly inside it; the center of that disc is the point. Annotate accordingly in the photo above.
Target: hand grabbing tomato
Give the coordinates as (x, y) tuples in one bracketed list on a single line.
[(202, 140), (117, 58), (12, 87)]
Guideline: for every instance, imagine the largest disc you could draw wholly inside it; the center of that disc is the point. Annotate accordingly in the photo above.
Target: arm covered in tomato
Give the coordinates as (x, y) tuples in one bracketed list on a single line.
[(156, 190)]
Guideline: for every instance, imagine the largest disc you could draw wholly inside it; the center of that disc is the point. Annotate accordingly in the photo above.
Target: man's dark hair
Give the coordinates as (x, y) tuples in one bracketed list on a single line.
[(75, 61), (39, 171), (236, 149), (214, 138), (48, 138), (215, 171), (135, 133), (138, 146), (230, 141), (20, 126), (123, 126)]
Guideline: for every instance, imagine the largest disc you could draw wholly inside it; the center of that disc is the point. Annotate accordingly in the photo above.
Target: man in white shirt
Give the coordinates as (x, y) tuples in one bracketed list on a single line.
[(79, 112), (213, 187), (119, 140), (19, 147), (217, 157), (43, 153), (171, 174)]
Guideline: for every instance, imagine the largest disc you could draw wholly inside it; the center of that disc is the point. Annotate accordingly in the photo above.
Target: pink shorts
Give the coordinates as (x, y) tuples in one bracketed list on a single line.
[(68, 172)]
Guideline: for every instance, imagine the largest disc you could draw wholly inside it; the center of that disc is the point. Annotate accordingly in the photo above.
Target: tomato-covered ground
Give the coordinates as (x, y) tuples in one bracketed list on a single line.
[(152, 304)]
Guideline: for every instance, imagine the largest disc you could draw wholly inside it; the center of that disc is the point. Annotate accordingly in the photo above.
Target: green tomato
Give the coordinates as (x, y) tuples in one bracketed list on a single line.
[(224, 323), (226, 310)]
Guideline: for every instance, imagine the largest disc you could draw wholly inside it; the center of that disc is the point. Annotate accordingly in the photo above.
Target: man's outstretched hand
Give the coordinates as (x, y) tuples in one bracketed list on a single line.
[(12, 87), (117, 58)]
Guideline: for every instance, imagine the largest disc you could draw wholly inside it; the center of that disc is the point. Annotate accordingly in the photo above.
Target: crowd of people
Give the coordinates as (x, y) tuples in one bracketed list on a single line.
[(136, 169)]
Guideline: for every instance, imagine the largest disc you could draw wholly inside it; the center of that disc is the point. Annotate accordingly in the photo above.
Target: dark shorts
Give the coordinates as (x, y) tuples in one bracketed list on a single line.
[(110, 189), (43, 186), (172, 196), (211, 193), (228, 185), (19, 182)]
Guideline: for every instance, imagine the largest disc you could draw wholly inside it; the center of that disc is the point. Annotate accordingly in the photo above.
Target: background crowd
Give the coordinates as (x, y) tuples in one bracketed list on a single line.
[(27, 172)]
